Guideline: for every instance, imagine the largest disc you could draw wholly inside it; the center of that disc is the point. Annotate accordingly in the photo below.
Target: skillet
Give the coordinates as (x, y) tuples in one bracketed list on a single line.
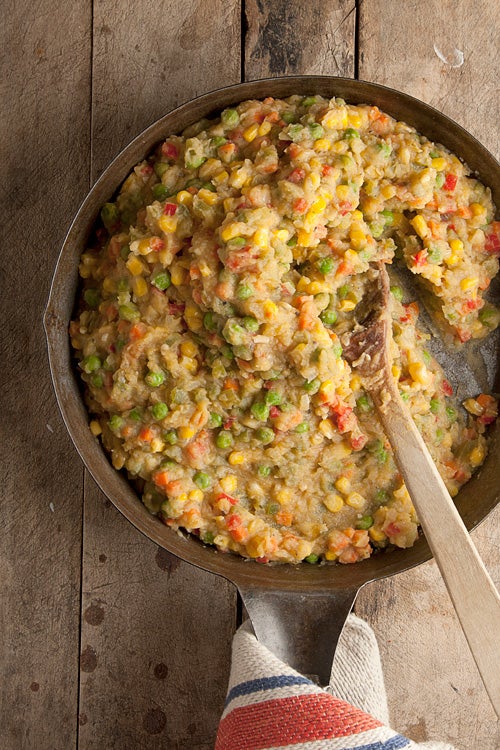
[(298, 611)]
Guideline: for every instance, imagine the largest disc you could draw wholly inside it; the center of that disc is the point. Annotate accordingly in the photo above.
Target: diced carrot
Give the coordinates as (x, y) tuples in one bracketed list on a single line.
[(160, 478), (146, 434), (284, 517), (300, 205), (137, 331), (231, 384)]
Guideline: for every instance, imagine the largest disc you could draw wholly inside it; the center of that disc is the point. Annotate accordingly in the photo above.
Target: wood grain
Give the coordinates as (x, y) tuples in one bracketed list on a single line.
[(156, 633), (44, 156), (314, 38), (441, 695)]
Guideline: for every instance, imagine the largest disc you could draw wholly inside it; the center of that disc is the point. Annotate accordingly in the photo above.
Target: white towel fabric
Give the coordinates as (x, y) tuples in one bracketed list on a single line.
[(269, 705)]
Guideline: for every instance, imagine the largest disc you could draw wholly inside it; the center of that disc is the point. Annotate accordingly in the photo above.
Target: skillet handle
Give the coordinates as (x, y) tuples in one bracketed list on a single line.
[(300, 629)]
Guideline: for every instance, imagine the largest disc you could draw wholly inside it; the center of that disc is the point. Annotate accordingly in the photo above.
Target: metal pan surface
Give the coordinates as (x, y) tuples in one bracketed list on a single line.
[(297, 610)]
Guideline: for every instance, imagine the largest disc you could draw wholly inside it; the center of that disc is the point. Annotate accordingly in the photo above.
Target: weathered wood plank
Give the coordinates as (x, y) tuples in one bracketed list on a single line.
[(44, 144), (156, 633), (420, 638), (313, 38)]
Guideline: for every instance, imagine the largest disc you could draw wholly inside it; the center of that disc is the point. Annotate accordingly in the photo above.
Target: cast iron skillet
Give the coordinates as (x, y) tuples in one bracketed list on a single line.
[(298, 611)]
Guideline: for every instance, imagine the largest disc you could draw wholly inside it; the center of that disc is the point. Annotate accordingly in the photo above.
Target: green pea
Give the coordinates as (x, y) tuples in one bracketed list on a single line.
[(308, 101), (251, 324), (427, 357), (292, 241), (218, 140), (302, 427), (263, 470), (312, 559), (404, 395), (160, 168), (316, 130), (237, 242), (162, 280), (207, 537), (273, 508), (244, 291), (154, 379), (312, 386), (170, 437), (214, 420), (273, 398), (224, 439), (434, 254), (351, 133), (343, 291), (434, 405), (365, 522), (110, 216), (440, 180), (328, 317), (295, 132), (384, 148), (380, 496), (388, 216), (135, 414), (124, 252), (325, 265), (364, 403), (202, 480), (116, 423), (230, 118), (210, 321), (260, 411), (97, 380), (159, 410), (129, 312), (397, 293), (91, 363), (487, 316), (159, 191), (265, 435), (452, 413), (288, 117), (227, 352), (123, 285), (337, 350), (91, 297)]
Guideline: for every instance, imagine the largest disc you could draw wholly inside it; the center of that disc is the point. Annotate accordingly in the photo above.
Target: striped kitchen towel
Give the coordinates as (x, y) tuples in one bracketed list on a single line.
[(269, 705)]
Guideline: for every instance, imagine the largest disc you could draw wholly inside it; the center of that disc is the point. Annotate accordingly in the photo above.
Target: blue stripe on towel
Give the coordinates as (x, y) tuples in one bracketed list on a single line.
[(394, 743), (266, 683)]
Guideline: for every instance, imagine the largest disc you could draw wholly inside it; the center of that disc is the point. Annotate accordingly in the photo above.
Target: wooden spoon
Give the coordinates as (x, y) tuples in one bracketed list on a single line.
[(474, 596)]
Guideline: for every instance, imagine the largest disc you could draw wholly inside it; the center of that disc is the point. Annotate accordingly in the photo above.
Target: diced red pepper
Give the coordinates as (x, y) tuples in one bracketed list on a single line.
[(294, 150), (447, 388), (169, 150), (296, 175), (492, 240), (232, 500), (358, 443), (420, 258), (156, 244), (170, 209), (274, 412), (450, 182)]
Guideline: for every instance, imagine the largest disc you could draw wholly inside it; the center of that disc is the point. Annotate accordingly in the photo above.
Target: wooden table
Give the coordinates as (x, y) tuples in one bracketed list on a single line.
[(106, 640)]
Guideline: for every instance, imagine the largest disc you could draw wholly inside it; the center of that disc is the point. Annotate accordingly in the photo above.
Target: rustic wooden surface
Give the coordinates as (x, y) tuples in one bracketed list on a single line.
[(107, 641)]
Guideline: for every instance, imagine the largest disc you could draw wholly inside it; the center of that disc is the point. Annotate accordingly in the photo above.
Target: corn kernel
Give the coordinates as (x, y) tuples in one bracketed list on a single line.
[(193, 318), (283, 496), (477, 209), (396, 372), (343, 192), (473, 407), (377, 535), (351, 256), (312, 181), (189, 349), (144, 246), (457, 246), (135, 266), (185, 432), (109, 285), (139, 286), (303, 284), (326, 428), (251, 132), (317, 287), (343, 485), (270, 309), (355, 383), (355, 120), (238, 178), (205, 269), (229, 482), (261, 238), (322, 144), (220, 177), (333, 502), (357, 239), (168, 224), (346, 305), (306, 239), (452, 260), (232, 230), (327, 389), (420, 226), (335, 118), (477, 455), (419, 372), (281, 234), (329, 555), (178, 275), (388, 191), (156, 445), (95, 427), (190, 364), (355, 500), (208, 196), (357, 215), (182, 498), (236, 457), (196, 496), (468, 284), (438, 163), (264, 127), (184, 197)]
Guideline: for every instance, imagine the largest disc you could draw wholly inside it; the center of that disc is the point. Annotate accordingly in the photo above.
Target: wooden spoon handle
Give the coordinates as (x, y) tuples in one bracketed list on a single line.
[(469, 585)]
